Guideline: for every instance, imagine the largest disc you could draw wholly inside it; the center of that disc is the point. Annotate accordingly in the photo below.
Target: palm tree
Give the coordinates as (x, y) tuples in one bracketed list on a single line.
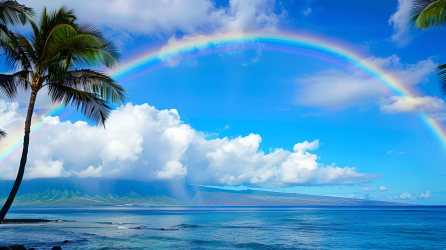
[(50, 57), (12, 13), (428, 14)]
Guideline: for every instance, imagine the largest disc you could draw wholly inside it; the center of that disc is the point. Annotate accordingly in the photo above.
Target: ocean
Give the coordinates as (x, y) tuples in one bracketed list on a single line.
[(229, 228)]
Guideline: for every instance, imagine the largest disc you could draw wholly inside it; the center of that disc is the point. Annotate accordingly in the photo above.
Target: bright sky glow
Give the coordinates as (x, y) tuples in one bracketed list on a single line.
[(303, 96)]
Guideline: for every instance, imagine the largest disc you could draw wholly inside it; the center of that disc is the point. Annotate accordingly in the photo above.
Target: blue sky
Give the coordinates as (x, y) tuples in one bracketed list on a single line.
[(231, 107)]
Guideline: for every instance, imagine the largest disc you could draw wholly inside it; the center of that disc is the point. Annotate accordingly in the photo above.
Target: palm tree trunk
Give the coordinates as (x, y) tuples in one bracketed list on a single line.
[(19, 178)]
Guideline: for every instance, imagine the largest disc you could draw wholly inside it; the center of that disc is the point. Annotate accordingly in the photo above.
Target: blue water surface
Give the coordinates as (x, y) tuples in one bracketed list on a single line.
[(229, 228)]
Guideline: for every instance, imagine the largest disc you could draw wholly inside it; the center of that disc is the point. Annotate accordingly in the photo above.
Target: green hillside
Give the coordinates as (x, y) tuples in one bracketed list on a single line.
[(70, 198), (203, 197)]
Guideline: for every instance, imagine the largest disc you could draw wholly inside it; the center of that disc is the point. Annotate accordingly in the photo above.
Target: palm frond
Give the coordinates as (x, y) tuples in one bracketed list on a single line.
[(86, 46), (10, 83), (48, 21), (26, 49), (15, 50), (51, 20), (89, 81), (11, 13), (2, 134), (428, 13), (8, 86), (89, 104), (442, 78), (108, 49)]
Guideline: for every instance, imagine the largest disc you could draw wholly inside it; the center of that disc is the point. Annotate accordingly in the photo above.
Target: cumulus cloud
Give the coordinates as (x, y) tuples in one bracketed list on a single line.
[(172, 170), (364, 196), (46, 169), (382, 188), (306, 146), (408, 196), (143, 143), (9, 112), (338, 89), (408, 104), (167, 17), (91, 172), (400, 22)]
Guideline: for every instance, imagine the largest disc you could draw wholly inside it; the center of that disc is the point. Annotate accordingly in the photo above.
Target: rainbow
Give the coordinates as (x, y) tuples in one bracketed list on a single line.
[(155, 59), (201, 45), (38, 128)]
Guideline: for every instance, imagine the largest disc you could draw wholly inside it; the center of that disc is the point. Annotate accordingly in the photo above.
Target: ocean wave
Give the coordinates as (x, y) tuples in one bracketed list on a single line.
[(188, 226)]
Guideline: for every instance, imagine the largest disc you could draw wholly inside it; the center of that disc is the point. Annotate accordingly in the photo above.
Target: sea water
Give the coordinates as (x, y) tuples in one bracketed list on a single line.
[(229, 228)]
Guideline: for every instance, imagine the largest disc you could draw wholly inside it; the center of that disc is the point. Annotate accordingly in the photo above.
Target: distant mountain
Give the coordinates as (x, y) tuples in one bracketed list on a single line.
[(216, 197), (94, 192), (76, 198)]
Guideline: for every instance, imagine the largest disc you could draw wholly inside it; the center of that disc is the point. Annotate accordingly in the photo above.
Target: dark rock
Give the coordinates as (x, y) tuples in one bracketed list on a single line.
[(31, 248), (56, 248), (27, 221), (3, 248), (17, 247), (66, 241), (163, 229)]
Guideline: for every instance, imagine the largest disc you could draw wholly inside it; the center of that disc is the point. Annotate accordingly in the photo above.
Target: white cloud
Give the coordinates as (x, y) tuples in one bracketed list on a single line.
[(406, 73), (166, 17), (408, 196), (9, 112), (366, 189), (306, 146), (438, 116), (142, 143), (400, 22), (251, 14), (334, 89), (338, 89), (51, 120), (402, 197), (91, 172), (307, 12), (172, 170), (364, 196), (408, 104), (46, 169)]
